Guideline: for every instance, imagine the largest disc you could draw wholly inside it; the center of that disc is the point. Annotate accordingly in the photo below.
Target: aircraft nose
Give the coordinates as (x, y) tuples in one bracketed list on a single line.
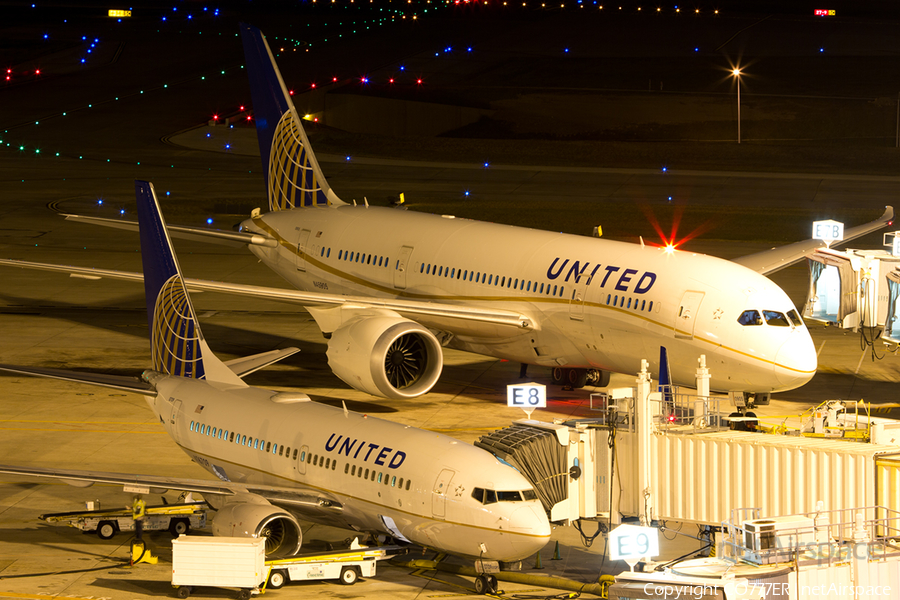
[(533, 528), (796, 360)]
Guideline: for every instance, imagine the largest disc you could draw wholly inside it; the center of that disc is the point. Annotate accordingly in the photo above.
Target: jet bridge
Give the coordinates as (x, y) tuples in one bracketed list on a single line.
[(854, 288), (664, 455)]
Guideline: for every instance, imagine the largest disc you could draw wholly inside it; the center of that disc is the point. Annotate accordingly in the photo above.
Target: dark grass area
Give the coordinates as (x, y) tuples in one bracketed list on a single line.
[(785, 157), (629, 221)]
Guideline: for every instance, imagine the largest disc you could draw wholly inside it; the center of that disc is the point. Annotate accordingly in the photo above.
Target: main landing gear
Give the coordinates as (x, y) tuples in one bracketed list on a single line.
[(578, 378)]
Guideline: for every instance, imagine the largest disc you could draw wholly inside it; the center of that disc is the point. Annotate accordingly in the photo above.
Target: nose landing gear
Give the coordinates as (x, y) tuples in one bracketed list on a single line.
[(486, 584)]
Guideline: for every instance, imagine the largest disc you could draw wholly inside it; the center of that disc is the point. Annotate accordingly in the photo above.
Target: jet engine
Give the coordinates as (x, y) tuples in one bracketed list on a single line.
[(386, 356), (257, 519)]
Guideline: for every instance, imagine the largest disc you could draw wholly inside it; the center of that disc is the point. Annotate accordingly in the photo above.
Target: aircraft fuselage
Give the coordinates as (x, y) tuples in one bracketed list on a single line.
[(596, 303), (384, 475)]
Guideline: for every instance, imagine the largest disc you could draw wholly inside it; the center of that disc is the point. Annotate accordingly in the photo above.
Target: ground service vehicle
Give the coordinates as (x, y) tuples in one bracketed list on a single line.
[(215, 561), (179, 519), (345, 565)]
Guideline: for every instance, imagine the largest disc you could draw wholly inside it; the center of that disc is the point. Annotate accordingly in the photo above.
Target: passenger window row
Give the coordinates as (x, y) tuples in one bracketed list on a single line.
[(243, 440), (317, 460), (308, 457), (356, 257), (375, 476), (640, 304), (523, 285)]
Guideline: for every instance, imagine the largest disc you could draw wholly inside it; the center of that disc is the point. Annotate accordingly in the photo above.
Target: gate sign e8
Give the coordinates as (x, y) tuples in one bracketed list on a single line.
[(527, 396), (828, 231), (633, 542)]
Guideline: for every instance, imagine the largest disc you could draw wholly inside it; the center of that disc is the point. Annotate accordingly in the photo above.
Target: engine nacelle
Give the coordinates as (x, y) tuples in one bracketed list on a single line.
[(257, 519), (386, 356)]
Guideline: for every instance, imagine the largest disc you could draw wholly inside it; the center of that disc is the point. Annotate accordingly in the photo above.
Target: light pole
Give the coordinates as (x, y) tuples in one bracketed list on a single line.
[(737, 76)]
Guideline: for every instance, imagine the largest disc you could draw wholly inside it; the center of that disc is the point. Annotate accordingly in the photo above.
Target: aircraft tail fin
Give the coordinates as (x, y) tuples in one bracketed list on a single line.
[(177, 346), (293, 176), (665, 377)]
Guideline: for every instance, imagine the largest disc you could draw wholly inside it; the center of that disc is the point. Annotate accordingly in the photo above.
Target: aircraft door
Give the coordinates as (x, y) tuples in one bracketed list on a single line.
[(302, 459), (439, 493), (176, 408), (302, 249), (686, 317), (401, 267), (576, 304)]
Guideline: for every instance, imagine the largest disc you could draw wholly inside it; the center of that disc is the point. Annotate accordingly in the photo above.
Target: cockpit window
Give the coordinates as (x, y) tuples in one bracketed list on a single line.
[(509, 496), (750, 317), (491, 496), (776, 318), (795, 318)]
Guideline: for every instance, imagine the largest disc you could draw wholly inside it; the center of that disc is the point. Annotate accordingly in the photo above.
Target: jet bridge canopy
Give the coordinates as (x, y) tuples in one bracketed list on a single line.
[(891, 331), (537, 454), (832, 288)]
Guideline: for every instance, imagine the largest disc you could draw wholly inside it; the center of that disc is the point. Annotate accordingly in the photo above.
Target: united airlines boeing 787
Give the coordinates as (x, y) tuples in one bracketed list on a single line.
[(390, 288)]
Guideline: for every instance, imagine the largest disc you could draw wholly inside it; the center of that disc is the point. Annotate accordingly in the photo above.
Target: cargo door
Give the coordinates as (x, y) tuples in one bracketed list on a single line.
[(439, 493), (401, 267), (686, 317), (302, 249)]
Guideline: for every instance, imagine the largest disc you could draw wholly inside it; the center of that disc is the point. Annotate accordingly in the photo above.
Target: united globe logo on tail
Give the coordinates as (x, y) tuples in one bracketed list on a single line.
[(175, 339), (292, 178)]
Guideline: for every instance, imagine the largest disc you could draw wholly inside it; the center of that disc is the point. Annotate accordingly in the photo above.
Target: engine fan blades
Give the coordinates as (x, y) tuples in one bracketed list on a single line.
[(405, 360)]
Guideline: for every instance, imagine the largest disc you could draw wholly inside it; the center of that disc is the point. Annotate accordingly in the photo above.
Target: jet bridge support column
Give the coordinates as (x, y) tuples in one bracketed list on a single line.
[(702, 393), (643, 428)]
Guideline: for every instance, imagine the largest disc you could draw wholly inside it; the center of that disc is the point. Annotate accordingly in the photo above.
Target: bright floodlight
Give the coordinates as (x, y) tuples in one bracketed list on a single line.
[(736, 72)]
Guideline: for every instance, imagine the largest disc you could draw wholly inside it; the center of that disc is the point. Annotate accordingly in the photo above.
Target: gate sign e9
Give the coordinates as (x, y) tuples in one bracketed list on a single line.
[(526, 395), (828, 231), (633, 542)]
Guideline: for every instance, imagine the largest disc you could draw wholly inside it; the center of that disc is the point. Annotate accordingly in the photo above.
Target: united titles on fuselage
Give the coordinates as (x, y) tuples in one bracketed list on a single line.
[(623, 278)]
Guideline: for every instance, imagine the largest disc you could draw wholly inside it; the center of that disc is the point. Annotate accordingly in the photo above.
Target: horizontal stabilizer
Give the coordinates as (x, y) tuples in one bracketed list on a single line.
[(251, 364), (211, 236), (116, 382), (769, 261)]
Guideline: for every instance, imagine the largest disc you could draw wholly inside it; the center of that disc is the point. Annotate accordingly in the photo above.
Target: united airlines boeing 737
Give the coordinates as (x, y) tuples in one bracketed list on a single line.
[(279, 457), (390, 288)]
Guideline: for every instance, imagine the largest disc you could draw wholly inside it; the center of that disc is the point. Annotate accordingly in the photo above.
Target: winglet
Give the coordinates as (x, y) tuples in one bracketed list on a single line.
[(177, 346), (293, 176)]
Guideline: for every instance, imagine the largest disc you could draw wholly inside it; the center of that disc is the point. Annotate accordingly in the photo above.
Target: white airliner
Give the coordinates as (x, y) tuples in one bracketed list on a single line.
[(389, 288), (279, 457)]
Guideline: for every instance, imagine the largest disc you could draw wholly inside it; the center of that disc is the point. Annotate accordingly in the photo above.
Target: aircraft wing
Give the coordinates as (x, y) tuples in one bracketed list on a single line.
[(116, 382), (430, 314), (769, 261), (294, 497), (215, 236)]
